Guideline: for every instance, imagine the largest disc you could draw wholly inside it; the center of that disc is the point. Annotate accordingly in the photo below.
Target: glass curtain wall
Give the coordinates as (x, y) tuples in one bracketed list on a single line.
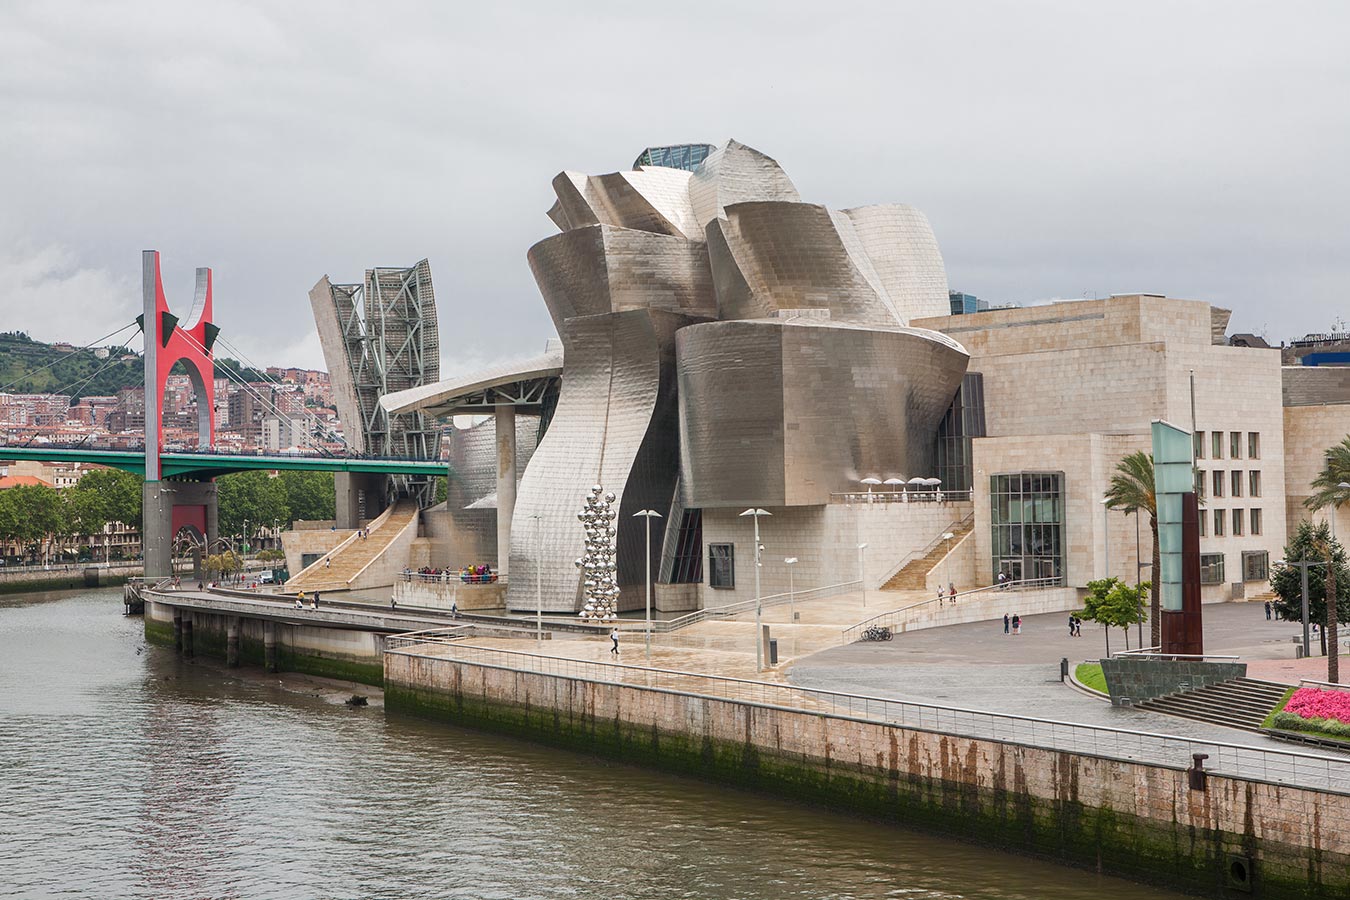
[(1027, 520), (963, 420)]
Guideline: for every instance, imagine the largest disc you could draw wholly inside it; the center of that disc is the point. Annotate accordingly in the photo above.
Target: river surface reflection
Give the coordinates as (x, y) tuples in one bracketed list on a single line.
[(127, 773)]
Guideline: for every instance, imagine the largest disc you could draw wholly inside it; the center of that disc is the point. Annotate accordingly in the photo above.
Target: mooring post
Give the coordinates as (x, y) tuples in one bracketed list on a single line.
[(232, 642), (270, 646), (178, 631)]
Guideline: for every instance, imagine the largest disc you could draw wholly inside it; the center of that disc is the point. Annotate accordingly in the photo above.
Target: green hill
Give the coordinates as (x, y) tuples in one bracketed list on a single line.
[(32, 367)]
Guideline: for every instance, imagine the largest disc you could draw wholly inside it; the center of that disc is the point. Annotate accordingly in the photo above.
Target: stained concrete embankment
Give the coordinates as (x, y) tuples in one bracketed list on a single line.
[(1235, 838)]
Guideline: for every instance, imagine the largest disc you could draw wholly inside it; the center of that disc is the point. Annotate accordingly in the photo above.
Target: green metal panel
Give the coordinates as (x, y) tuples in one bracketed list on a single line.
[(1173, 476), (209, 465)]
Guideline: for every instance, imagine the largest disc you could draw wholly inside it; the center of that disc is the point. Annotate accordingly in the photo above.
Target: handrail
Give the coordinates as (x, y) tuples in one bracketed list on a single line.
[(662, 626), (927, 496), (1157, 651), (429, 636), (1334, 685), (1279, 766), (930, 546), (1025, 584)]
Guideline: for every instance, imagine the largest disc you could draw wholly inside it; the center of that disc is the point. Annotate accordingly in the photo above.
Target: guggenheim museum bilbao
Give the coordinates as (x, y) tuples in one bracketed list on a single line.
[(725, 345)]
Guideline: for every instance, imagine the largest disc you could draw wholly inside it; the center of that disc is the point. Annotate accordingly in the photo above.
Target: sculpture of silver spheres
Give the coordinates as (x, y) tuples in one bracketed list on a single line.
[(599, 571)]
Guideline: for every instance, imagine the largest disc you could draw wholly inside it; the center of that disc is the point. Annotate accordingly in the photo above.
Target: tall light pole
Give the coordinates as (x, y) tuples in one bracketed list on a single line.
[(1304, 566), (650, 514), (862, 573), (792, 589), (1106, 535), (759, 602), (538, 581)]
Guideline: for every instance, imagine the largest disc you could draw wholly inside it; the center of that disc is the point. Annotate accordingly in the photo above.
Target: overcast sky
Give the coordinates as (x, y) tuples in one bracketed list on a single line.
[(1060, 149)]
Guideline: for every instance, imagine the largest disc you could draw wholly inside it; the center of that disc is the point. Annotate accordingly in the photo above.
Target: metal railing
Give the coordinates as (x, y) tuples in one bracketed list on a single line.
[(924, 496), (1278, 766), (894, 616), (932, 545), (663, 626), (452, 578), (1158, 653), (430, 636)]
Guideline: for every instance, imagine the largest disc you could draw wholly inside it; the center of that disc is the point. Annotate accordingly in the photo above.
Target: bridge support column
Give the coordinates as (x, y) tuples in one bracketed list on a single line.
[(232, 642), (178, 631), (351, 489), (168, 506), (506, 483), (270, 646), (187, 636)]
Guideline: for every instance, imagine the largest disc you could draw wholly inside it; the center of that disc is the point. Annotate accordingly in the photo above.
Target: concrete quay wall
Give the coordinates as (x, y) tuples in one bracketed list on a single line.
[(347, 654), (1132, 819)]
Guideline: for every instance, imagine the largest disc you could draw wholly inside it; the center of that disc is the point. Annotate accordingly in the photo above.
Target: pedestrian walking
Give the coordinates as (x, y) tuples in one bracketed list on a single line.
[(1017, 624), (328, 562), (454, 609), (1005, 623), (1267, 610), (941, 596), (316, 599), (951, 591), (1077, 627), (614, 636), (393, 603), (1002, 581), (1071, 624)]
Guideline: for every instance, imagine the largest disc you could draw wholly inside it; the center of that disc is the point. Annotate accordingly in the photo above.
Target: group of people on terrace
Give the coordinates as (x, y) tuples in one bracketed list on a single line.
[(467, 574)]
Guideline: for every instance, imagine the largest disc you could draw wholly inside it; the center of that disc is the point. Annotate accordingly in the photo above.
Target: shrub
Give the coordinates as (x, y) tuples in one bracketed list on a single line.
[(1316, 703)]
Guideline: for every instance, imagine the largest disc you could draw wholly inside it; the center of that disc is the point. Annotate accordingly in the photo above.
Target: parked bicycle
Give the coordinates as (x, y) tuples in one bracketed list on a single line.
[(877, 633)]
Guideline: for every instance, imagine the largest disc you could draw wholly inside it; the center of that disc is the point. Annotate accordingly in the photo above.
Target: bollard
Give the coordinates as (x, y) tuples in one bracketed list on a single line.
[(773, 651), (1063, 668), (1197, 771)]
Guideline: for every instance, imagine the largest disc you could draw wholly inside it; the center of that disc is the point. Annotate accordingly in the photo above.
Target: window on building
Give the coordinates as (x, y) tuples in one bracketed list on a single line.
[(1253, 445), (1254, 483), (1255, 522), (1216, 444), (1235, 480), (1219, 522), (1199, 445), (722, 565), (1235, 444), (1218, 483), (687, 567), (1237, 522), (1255, 565), (1200, 485), (1211, 568), (1027, 524), (1204, 524)]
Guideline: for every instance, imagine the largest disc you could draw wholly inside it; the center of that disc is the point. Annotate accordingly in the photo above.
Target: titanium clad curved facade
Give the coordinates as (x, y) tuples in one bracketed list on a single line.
[(601, 269), (735, 173), (615, 425), (784, 412), (904, 252)]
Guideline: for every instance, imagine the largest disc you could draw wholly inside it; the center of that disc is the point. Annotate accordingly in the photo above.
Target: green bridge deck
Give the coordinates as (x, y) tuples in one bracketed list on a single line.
[(211, 465)]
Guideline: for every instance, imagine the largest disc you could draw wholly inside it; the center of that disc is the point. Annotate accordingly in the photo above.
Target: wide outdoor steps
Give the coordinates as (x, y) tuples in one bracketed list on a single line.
[(1241, 703), (348, 561), (914, 576)]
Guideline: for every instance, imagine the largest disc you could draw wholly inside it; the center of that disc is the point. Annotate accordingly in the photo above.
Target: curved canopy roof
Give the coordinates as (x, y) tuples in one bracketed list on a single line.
[(519, 383)]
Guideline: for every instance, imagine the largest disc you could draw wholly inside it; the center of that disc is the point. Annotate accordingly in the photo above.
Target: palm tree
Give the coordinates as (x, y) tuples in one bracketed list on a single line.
[(1327, 490), (1132, 491)]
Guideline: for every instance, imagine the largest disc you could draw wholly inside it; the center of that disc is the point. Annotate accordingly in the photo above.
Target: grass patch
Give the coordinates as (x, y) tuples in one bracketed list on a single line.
[(1279, 708), (1090, 675)]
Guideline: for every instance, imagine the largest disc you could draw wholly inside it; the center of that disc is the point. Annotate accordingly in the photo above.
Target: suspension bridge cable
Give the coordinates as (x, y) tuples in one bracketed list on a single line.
[(95, 343), (254, 391), (254, 366)]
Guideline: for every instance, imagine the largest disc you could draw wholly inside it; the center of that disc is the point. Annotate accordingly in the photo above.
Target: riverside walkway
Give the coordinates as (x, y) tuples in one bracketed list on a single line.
[(1311, 769)]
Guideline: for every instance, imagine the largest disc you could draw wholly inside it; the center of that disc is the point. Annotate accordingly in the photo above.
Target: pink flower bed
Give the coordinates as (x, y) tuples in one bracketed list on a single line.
[(1316, 703)]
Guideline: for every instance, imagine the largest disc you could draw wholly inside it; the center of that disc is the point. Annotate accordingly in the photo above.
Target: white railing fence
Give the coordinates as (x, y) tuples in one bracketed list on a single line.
[(895, 617)]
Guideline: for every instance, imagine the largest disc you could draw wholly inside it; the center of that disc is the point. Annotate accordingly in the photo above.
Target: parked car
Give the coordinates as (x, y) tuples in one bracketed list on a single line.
[(265, 577)]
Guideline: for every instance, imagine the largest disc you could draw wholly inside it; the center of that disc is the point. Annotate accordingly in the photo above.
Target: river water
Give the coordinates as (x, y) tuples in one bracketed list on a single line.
[(127, 773)]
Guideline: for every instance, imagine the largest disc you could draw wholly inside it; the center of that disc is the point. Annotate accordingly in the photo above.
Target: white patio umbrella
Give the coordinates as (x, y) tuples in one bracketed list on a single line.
[(869, 481), (892, 482)]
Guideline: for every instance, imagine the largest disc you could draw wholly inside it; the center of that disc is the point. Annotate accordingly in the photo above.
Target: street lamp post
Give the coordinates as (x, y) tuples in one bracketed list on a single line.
[(862, 573), (1106, 535), (1304, 566), (792, 589), (946, 559), (650, 514), (759, 602)]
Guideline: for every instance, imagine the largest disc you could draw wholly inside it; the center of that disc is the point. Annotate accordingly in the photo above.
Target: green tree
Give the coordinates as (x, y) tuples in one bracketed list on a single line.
[(251, 499), (309, 495), (1312, 542), (1112, 603), (103, 496), (36, 514), (1132, 490)]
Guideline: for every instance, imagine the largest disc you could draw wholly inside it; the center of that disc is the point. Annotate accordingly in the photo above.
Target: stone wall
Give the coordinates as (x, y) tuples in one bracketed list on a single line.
[(302, 542), (1127, 818), (1136, 678)]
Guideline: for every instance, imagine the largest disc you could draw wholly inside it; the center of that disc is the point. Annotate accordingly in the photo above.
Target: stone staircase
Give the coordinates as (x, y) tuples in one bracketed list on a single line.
[(914, 574), (349, 559), (1240, 703)]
